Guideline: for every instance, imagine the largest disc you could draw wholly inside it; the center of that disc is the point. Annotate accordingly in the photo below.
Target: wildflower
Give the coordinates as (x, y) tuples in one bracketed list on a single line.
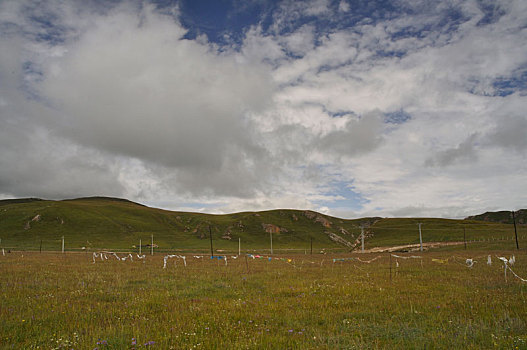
[(134, 342)]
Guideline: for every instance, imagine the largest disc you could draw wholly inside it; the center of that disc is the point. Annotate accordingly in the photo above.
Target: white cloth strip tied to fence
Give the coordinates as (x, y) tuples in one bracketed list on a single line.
[(470, 262), (141, 256), (170, 256), (105, 255), (115, 255), (506, 267), (129, 256), (489, 260), (512, 260), (514, 273), (369, 261), (407, 257)]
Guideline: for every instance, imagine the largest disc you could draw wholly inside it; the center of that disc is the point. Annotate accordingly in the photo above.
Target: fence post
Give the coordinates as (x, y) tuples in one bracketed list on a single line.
[(515, 232)]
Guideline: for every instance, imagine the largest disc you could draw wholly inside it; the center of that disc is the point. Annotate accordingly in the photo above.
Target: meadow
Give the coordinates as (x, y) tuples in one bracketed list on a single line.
[(320, 301)]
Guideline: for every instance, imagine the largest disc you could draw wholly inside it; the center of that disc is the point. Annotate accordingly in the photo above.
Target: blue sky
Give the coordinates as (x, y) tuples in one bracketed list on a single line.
[(352, 108)]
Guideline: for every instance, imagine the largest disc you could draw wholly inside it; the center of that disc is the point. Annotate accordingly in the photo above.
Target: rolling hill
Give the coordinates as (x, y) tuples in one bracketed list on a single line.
[(504, 217), (110, 223)]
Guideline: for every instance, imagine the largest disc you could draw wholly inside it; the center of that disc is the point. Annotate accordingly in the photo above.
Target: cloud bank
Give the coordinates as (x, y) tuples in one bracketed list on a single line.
[(407, 109)]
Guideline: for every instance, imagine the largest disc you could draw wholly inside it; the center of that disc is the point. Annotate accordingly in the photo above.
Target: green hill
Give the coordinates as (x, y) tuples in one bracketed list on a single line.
[(109, 223), (504, 217)]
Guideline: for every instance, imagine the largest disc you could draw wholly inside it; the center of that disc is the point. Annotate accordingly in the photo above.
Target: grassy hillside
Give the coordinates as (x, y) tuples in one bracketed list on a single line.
[(504, 217), (108, 223), (119, 224), (397, 231)]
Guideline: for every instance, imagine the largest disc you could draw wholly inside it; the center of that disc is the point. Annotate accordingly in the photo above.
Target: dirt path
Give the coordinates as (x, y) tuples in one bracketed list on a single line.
[(411, 247)]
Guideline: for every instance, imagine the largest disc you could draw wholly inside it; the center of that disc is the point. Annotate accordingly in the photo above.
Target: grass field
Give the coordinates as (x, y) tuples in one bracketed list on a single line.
[(65, 301)]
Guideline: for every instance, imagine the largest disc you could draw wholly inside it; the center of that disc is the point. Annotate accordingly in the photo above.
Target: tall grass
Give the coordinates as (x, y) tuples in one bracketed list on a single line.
[(65, 301)]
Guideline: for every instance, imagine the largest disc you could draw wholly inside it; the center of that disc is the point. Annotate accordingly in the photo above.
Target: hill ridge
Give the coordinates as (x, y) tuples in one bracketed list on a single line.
[(114, 223)]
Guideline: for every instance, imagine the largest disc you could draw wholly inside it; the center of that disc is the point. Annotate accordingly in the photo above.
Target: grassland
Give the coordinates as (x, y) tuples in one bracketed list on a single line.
[(65, 301), (106, 223), (298, 301)]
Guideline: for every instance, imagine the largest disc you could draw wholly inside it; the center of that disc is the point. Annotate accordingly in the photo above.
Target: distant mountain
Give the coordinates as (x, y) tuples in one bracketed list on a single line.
[(504, 217)]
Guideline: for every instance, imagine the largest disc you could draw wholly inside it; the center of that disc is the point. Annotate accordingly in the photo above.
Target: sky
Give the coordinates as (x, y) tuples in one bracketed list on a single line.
[(353, 108)]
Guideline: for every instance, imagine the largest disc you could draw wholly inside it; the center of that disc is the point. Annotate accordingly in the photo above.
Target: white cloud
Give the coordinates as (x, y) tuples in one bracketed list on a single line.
[(131, 107), (344, 6), (144, 92)]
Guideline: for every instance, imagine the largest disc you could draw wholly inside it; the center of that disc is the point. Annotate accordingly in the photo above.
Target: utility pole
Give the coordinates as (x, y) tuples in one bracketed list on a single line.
[(362, 236), (139, 246), (464, 237), (420, 237), (62, 244), (271, 235), (211, 250), (239, 246), (515, 233)]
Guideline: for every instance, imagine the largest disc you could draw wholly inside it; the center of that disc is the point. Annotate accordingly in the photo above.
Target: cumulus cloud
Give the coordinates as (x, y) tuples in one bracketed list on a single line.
[(463, 152), (124, 101), (510, 133), (358, 136), (130, 85), (36, 165)]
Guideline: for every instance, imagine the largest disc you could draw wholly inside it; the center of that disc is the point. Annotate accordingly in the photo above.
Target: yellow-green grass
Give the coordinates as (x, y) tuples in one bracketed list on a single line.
[(56, 301)]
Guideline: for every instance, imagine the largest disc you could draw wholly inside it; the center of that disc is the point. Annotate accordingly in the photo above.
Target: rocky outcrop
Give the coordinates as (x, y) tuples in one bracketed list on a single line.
[(336, 238), (227, 234), (317, 218), (270, 228), (343, 231), (36, 218), (199, 233)]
